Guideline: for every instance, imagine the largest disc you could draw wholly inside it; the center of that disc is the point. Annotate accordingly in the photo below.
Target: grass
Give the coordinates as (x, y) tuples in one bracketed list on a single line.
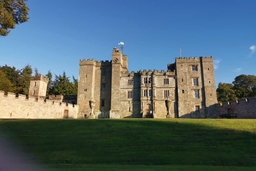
[(138, 144)]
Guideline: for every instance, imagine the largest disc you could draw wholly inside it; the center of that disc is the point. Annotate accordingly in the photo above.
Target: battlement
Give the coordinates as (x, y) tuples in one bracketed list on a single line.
[(237, 102), (87, 62), (193, 58), (39, 77), (94, 62), (103, 63), (156, 72), (244, 108), (41, 100)]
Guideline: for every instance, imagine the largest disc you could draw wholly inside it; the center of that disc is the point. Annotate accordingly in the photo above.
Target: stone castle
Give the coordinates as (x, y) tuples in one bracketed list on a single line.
[(107, 90), (186, 89)]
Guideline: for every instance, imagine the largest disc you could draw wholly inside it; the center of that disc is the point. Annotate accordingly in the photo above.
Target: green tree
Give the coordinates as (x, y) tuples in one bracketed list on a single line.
[(49, 90), (13, 75), (5, 83), (24, 80), (75, 86), (226, 92), (62, 85), (245, 86), (36, 72), (12, 12)]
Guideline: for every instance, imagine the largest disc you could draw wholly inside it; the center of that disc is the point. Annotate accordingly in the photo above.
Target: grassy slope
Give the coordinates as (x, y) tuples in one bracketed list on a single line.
[(137, 142)]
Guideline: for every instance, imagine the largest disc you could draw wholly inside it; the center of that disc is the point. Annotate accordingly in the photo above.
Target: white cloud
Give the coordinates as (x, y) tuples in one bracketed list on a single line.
[(238, 69), (253, 49), (216, 63)]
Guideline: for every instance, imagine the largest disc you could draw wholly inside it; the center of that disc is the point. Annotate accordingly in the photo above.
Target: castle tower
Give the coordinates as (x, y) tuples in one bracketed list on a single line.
[(86, 88), (195, 86), (38, 86), (210, 96), (117, 68)]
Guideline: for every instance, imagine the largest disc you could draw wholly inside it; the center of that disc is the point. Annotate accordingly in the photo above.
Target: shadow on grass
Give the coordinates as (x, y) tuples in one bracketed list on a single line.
[(137, 141)]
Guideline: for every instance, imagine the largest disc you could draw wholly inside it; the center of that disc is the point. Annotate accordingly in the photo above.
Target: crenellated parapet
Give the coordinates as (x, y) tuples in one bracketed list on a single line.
[(20, 97), (18, 106), (87, 62), (237, 102), (149, 73), (95, 62), (244, 108), (194, 59), (39, 77), (105, 63)]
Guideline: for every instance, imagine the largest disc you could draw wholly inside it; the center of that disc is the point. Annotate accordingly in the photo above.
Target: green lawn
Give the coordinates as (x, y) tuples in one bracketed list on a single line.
[(137, 144)]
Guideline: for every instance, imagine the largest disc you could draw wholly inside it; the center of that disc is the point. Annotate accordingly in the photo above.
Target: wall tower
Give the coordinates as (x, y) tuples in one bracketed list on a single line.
[(38, 86)]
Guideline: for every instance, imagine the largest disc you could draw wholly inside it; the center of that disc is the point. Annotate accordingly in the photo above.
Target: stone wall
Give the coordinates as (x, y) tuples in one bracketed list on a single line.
[(21, 107), (241, 108)]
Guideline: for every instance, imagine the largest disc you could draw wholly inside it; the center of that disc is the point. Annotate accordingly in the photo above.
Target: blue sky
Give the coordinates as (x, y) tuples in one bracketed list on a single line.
[(61, 32)]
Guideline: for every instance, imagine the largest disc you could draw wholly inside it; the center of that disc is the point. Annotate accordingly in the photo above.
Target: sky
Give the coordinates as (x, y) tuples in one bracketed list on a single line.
[(61, 32)]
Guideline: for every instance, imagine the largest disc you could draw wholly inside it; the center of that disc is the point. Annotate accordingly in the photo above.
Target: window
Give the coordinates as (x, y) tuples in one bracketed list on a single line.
[(102, 102), (149, 80), (197, 108), (194, 68), (103, 72), (183, 91), (103, 87), (130, 82), (150, 93), (145, 80), (145, 93), (197, 94), (129, 94), (166, 81), (35, 84), (195, 82), (166, 93)]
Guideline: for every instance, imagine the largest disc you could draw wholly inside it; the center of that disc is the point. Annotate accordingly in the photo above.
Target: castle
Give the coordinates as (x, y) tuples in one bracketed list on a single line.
[(186, 89), (107, 90)]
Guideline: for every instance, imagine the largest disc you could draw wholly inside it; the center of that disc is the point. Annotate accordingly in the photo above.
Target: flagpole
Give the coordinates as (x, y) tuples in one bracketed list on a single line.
[(180, 52)]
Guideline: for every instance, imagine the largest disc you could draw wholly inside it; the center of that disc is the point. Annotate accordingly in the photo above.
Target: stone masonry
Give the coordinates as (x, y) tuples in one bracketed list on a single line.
[(107, 90)]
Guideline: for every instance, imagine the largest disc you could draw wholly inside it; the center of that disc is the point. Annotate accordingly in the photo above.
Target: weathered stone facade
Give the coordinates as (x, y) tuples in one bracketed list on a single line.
[(107, 90), (245, 108), (35, 105), (24, 107), (38, 86)]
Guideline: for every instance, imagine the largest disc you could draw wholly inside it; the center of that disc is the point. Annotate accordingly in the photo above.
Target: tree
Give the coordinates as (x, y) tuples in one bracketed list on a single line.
[(245, 86), (226, 92), (49, 90), (36, 72), (5, 83), (13, 75), (62, 85), (12, 12), (24, 80)]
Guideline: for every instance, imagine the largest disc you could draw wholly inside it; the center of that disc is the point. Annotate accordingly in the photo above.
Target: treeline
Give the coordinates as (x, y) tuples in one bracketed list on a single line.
[(242, 87), (18, 80)]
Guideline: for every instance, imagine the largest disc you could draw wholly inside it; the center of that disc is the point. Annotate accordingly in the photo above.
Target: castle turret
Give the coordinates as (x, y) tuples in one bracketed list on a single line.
[(38, 86), (117, 60)]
